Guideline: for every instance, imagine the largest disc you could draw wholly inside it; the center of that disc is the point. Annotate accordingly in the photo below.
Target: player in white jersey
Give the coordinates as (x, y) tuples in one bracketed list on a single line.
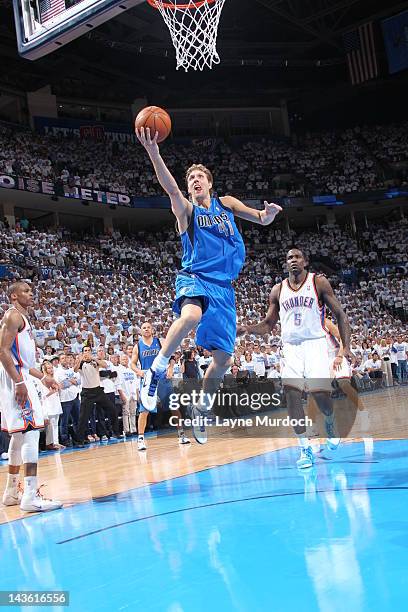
[(21, 411), (300, 302)]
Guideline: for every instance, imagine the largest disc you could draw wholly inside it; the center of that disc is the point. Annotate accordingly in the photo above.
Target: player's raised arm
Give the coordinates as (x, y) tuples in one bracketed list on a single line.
[(180, 206), (327, 297), (262, 217), (270, 320)]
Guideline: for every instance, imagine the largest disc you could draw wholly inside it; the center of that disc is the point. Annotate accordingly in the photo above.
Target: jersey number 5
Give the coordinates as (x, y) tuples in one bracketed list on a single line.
[(298, 319)]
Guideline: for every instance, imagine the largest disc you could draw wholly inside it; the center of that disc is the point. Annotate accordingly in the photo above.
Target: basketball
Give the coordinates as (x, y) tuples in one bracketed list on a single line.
[(155, 118)]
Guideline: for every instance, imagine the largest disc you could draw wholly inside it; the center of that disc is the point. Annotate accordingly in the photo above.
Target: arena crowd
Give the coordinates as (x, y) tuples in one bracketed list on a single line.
[(98, 292), (353, 160)]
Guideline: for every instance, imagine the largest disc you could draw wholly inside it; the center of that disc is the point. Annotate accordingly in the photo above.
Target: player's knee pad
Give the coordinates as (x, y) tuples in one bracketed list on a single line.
[(29, 449), (14, 451)]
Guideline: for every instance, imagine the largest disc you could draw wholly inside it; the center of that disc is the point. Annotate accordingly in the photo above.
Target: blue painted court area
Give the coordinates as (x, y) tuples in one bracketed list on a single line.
[(248, 536)]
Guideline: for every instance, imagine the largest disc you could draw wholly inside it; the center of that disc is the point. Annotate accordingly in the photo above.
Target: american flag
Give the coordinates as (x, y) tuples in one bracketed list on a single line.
[(359, 46), (50, 9)]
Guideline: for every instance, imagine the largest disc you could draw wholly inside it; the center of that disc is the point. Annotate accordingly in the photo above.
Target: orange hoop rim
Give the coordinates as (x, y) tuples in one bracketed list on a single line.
[(189, 5)]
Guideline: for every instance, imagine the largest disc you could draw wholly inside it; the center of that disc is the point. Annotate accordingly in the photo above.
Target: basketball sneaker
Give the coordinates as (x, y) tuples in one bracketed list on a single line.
[(148, 393), (198, 428), (12, 496), (141, 444), (38, 503), (306, 458)]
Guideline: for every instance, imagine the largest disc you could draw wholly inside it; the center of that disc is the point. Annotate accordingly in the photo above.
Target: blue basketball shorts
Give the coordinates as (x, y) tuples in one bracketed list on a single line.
[(218, 326)]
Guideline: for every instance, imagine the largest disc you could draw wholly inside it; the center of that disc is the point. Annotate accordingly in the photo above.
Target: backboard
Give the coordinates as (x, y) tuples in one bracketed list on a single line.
[(43, 26)]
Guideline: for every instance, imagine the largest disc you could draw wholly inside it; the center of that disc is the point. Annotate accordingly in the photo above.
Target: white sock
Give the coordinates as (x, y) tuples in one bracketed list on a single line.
[(141, 437), (12, 481), (303, 442), (30, 485), (160, 363)]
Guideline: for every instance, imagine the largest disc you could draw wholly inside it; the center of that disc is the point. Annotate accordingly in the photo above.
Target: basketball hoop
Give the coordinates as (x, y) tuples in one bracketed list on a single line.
[(193, 28)]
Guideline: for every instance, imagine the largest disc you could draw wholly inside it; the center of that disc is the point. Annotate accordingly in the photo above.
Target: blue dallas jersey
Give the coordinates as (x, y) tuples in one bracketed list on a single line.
[(148, 353), (212, 245)]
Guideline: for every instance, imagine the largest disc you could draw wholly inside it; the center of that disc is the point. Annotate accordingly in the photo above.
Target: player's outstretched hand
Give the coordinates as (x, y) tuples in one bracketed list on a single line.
[(270, 212), (146, 139)]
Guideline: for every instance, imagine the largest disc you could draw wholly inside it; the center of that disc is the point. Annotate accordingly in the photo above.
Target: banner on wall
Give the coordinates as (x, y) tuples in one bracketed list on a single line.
[(8, 181), (395, 30), (85, 129), (11, 182)]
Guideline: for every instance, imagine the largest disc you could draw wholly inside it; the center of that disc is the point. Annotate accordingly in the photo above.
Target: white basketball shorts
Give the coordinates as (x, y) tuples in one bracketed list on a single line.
[(306, 365), (16, 418)]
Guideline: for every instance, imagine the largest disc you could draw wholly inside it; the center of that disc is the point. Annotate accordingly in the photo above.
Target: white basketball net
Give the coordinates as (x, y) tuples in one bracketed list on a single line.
[(193, 32)]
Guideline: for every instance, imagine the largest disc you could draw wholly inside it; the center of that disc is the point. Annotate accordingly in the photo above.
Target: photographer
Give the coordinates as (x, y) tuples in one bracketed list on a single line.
[(191, 371), (92, 393), (235, 377)]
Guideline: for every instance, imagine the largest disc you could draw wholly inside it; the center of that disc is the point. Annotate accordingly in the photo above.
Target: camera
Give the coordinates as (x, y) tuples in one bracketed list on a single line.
[(108, 374)]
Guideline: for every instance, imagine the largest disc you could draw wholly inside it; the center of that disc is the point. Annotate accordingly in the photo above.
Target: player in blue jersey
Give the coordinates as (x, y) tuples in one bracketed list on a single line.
[(144, 353), (213, 255)]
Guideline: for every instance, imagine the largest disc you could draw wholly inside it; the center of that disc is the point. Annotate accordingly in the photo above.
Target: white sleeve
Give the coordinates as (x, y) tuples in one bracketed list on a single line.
[(43, 392)]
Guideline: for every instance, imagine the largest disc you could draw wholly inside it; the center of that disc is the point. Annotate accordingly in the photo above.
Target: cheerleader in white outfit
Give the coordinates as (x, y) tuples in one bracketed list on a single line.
[(52, 408)]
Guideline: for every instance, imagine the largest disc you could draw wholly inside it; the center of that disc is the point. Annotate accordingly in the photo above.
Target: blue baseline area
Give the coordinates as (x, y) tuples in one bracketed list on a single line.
[(251, 535)]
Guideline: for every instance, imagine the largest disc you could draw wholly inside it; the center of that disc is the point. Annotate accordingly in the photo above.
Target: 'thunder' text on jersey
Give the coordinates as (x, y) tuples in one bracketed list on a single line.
[(301, 315)]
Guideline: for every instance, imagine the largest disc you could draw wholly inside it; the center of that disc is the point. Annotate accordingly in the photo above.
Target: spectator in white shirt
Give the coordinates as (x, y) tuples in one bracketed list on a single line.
[(260, 360), (128, 382), (203, 362), (247, 362), (400, 348), (373, 367), (77, 344)]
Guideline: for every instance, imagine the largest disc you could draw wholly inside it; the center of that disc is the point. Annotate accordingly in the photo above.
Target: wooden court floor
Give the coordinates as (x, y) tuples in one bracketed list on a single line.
[(100, 470)]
